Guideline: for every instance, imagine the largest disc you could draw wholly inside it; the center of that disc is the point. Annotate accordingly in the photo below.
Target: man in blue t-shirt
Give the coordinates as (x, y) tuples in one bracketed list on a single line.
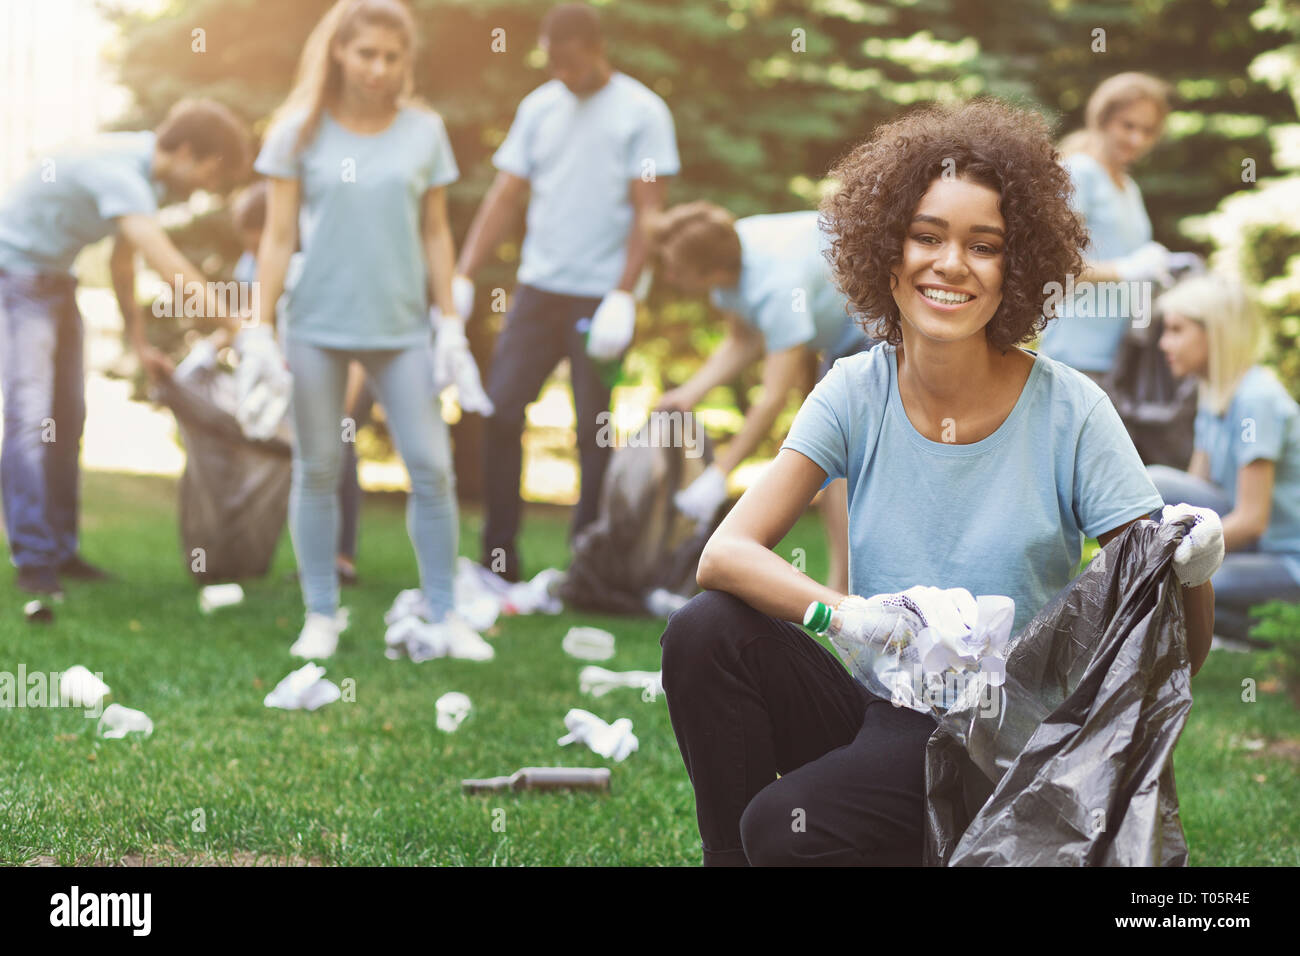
[(594, 147), (112, 187)]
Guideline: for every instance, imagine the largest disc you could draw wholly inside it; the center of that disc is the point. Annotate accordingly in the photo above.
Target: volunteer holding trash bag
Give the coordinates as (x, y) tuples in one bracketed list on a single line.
[(594, 149), (1124, 118), (358, 172), (971, 463), (769, 276), (1246, 458)]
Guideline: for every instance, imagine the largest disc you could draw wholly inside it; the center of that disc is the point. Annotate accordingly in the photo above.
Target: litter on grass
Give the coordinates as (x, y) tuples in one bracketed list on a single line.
[(614, 741), (118, 721), (589, 643), (304, 689), (80, 688), (219, 595), (597, 681), (453, 707)]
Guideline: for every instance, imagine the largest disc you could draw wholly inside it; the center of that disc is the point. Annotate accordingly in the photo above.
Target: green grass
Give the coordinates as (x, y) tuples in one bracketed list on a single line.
[(374, 781)]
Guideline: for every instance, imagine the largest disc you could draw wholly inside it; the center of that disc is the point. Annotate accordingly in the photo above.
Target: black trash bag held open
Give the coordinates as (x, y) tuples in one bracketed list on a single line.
[(639, 541), (1076, 768), (234, 493)]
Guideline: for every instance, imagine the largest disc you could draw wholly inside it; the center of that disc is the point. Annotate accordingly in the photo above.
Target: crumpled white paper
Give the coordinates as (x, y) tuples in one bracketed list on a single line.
[(926, 647), (613, 741), (588, 643), (597, 681), (304, 689), (118, 721), (80, 688), (453, 707)]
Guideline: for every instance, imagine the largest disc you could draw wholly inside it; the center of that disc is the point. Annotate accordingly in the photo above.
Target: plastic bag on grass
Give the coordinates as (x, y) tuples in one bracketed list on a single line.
[(1070, 763)]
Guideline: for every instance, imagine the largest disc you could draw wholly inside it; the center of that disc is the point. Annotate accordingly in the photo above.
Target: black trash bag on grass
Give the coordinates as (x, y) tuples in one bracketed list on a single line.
[(1075, 768)]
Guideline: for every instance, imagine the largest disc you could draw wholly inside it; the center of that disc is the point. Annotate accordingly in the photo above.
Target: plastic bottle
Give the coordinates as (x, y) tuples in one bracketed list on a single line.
[(543, 778)]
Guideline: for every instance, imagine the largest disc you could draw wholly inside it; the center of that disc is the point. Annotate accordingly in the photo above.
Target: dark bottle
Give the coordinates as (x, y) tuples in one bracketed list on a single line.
[(543, 778)]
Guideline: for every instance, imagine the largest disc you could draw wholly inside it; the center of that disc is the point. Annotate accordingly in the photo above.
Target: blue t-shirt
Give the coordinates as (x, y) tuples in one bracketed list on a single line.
[(1004, 515), (364, 281), (1262, 422), (785, 288), (1088, 333), (73, 198), (579, 155)]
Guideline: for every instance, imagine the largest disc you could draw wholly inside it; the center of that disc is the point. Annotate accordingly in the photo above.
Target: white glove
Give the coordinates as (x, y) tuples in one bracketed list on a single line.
[(613, 741), (702, 497), (1149, 263), (262, 383), (462, 296), (1201, 551), (612, 326), (454, 365)]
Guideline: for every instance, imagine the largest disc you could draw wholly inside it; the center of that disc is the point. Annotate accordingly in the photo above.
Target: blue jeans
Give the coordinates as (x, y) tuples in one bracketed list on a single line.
[(539, 331), (403, 383), (1247, 577), (44, 390), (349, 483)]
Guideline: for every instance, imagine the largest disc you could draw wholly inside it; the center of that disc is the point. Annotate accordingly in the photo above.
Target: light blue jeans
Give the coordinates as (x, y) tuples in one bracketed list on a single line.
[(1247, 577), (403, 384)]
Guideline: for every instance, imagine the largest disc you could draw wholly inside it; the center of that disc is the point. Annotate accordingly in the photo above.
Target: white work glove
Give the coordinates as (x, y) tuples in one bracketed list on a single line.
[(1149, 263), (612, 326), (1201, 551), (701, 499), (462, 296), (262, 383), (612, 741), (454, 365)]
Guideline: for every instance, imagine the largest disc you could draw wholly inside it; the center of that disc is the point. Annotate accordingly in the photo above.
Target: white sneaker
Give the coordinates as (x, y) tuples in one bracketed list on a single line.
[(320, 635), (463, 641)]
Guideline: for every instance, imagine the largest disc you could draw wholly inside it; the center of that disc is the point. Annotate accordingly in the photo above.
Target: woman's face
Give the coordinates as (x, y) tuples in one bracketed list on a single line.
[(1186, 346), (949, 283), (1130, 132), (373, 64)]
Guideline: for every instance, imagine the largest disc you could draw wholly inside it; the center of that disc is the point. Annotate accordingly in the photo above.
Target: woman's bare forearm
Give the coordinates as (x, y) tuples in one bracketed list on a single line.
[(761, 578)]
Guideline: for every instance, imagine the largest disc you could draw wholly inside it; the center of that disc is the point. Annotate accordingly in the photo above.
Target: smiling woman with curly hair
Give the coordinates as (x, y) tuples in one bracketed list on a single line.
[(971, 463)]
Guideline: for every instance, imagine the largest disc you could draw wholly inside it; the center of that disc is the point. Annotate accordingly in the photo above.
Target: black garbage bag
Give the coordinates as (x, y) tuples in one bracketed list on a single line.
[(234, 493), (639, 541), (1158, 410), (1071, 764)]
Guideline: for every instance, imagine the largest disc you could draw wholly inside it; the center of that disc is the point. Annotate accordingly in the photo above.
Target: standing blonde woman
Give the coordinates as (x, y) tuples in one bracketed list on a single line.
[(1124, 119), (358, 176), (1246, 459)]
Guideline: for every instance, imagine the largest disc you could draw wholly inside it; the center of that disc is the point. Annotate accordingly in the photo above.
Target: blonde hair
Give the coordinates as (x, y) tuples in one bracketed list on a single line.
[(1113, 94), (700, 236), (1233, 329), (319, 79)]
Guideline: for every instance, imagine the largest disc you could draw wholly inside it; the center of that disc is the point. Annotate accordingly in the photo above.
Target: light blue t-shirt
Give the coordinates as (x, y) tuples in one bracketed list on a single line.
[(1262, 422), (1087, 336), (73, 198), (579, 155), (785, 288), (1004, 515), (364, 280)]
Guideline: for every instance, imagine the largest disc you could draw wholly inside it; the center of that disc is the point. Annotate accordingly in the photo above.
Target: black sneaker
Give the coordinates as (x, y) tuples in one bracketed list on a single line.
[(507, 569), (39, 580), (79, 569)]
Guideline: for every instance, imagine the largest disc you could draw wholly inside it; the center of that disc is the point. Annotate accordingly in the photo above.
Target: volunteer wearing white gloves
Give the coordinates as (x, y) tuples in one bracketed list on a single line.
[(594, 148), (970, 462), (770, 278), (1246, 459), (359, 173), (1125, 118)]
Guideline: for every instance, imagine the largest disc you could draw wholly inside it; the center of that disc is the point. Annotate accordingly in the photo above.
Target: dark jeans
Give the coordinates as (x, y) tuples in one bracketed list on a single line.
[(539, 332), (44, 414), (751, 697), (349, 484)]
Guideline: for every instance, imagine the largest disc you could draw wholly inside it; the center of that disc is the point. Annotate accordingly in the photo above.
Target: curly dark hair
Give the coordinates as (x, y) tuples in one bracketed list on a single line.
[(985, 141)]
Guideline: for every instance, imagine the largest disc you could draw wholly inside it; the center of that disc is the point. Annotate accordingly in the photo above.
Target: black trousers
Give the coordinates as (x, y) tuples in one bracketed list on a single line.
[(751, 697)]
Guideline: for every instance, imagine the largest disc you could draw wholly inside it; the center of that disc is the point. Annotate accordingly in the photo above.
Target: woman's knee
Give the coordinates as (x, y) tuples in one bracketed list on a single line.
[(699, 631)]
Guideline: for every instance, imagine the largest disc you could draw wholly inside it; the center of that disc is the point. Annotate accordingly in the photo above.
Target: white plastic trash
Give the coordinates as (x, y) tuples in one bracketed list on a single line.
[(453, 707), (589, 643), (118, 721), (219, 595), (597, 681), (80, 688), (304, 689)]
